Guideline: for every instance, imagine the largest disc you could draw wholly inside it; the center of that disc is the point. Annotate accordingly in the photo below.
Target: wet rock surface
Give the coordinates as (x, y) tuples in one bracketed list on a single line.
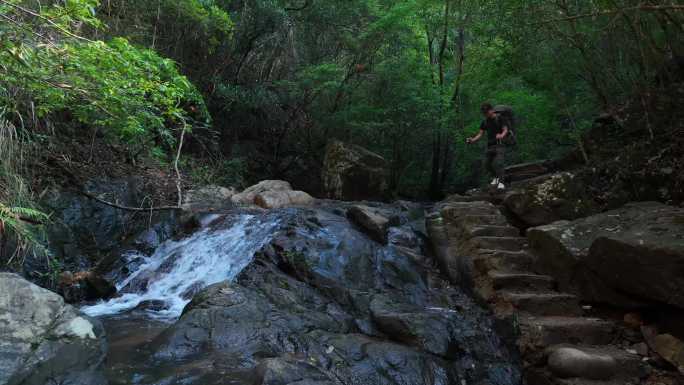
[(324, 303), (625, 257), (84, 233), (44, 341)]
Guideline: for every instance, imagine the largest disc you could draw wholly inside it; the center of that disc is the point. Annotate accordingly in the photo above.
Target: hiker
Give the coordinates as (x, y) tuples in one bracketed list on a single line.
[(496, 127)]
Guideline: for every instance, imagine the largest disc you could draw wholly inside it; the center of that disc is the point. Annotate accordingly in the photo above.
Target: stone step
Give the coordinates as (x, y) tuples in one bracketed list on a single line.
[(568, 364), (470, 220), (466, 198), (468, 204), (541, 332), (453, 212), (543, 304), (500, 260), (521, 282), (499, 243), (492, 231)]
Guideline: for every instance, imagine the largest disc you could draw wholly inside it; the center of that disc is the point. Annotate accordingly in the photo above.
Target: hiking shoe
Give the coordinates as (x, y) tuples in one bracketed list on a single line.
[(501, 186), (495, 182)]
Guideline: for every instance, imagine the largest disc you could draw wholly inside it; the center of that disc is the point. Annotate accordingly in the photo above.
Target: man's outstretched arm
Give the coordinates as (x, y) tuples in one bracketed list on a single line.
[(475, 138)]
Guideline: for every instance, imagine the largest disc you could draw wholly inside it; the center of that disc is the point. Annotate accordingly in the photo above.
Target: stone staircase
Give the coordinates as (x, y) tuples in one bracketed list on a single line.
[(477, 249)]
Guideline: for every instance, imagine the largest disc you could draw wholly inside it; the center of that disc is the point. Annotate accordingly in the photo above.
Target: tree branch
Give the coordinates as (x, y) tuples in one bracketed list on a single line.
[(128, 208), (175, 166)]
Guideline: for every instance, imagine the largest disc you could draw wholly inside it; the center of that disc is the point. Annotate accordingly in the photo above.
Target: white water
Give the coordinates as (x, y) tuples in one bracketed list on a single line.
[(176, 268)]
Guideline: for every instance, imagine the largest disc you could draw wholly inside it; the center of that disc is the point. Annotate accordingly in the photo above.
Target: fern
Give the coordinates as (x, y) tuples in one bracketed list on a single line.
[(23, 224)]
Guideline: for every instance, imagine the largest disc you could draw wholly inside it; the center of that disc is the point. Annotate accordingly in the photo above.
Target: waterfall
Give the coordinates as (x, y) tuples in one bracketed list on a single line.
[(180, 268)]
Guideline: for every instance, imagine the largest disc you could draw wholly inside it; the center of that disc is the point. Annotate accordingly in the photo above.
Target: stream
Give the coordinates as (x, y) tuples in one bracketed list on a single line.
[(166, 281), (297, 296)]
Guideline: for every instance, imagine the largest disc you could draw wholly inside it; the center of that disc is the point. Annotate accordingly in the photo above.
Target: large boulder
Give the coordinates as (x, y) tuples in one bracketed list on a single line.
[(208, 197), (625, 257), (353, 173), (247, 197), (278, 199), (545, 200), (43, 340), (272, 194)]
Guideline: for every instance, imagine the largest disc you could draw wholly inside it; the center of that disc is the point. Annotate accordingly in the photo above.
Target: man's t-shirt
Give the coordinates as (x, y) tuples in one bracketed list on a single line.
[(493, 127)]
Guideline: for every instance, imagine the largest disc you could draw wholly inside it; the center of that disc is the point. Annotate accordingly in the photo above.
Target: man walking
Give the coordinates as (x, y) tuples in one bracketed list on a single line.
[(497, 129)]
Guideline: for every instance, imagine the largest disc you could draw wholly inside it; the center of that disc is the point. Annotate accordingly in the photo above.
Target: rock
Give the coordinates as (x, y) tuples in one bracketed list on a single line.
[(671, 349), (648, 267), (152, 305), (275, 199), (272, 194), (208, 197), (561, 196), (353, 173), (402, 237), (371, 221), (85, 286), (248, 196), (566, 362), (45, 341), (625, 257), (289, 370), (428, 329)]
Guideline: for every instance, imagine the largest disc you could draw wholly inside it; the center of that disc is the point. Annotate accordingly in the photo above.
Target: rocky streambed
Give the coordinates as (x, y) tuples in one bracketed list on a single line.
[(300, 296)]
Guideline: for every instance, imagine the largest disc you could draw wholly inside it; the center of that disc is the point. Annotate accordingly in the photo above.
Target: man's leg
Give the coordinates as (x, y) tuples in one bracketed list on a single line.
[(490, 156), (498, 162)]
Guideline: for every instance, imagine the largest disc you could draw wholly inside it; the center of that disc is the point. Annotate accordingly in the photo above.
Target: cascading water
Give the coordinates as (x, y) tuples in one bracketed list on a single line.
[(180, 268)]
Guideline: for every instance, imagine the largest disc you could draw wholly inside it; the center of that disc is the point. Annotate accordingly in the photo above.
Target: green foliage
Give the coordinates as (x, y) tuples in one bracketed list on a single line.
[(21, 224), (130, 92), (196, 33), (52, 76)]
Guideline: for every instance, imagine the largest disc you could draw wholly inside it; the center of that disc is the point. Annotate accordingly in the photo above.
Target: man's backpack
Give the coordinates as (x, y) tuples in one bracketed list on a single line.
[(506, 114)]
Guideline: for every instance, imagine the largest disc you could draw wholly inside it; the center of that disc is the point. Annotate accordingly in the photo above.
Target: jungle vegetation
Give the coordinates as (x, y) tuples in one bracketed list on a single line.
[(255, 88)]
